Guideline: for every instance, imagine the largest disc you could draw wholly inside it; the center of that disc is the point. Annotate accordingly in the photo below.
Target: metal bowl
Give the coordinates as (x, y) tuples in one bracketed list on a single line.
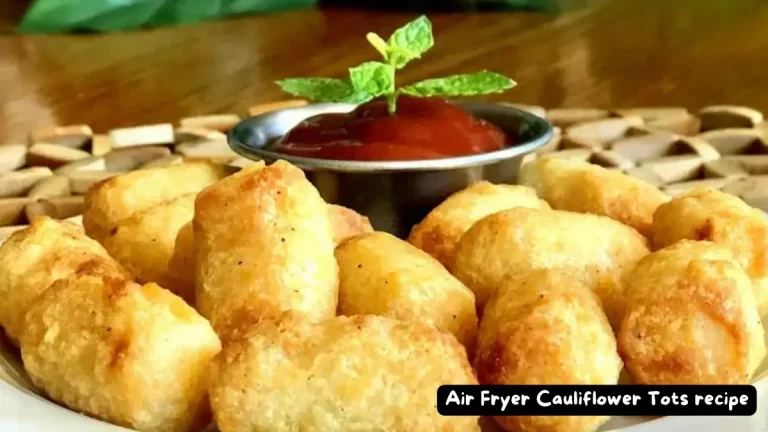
[(396, 195)]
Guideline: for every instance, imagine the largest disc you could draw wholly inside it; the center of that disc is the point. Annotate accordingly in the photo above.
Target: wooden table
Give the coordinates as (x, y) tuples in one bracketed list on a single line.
[(619, 53)]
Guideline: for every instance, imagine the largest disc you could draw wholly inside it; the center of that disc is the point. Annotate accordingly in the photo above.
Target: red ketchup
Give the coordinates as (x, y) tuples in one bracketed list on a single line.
[(422, 128)]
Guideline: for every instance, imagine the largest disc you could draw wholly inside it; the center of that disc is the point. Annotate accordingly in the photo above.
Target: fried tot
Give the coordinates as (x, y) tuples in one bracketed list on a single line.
[(115, 199), (691, 318), (135, 356), (708, 214), (545, 327), (441, 230), (145, 243), (34, 258), (579, 186), (380, 274), (347, 223), (264, 245), (360, 373), (597, 249)]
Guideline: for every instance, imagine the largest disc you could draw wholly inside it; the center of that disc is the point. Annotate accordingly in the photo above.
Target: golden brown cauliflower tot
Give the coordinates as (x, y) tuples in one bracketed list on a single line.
[(597, 249), (137, 217), (117, 198), (264, 245), (380, 274), (145, 243), (347, 223), (691, 318), (34, 258), (711, 215), (360, 373), (136, 356), (545, 327), (441, 230), (579, 186)]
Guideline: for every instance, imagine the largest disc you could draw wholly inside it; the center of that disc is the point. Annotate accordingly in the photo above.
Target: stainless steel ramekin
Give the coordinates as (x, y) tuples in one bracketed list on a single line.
[(396, 195)]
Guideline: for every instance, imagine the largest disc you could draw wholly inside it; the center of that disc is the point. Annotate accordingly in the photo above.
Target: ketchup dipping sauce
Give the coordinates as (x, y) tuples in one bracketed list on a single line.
[(422, 128)]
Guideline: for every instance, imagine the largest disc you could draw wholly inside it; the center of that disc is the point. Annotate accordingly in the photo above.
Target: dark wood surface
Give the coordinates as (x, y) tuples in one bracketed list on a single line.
[(610, 54)]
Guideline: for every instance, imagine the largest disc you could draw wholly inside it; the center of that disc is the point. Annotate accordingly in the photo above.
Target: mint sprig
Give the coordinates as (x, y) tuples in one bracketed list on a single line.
[(377, 79), (406, 43), (373, 78), (478, 83), (324, 90)]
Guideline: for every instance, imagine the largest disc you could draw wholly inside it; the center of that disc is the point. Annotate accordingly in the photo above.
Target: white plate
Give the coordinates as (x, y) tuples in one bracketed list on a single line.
[(22, 409)]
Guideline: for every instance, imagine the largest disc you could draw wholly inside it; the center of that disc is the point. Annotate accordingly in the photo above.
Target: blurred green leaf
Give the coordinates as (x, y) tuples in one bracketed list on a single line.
[(111, 15), (245, 6), (188, 11), (429, 6), (127, 17), (54, 15)]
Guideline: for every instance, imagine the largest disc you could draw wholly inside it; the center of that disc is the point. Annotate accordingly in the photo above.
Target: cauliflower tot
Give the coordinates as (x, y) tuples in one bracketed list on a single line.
[(440, 232), (598, 250), (412, 287), (136, 356), (691, 318), (264, 245), (711, 215), (349, 374), (32, 259), (546, 327), (579, 186)]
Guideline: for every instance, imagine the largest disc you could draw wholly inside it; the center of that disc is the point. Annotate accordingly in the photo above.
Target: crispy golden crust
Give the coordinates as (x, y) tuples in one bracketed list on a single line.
[(361, 373), (545, 327), (597, 249), (115, 199), (346, 223), (145, 242), (34, 258), (579, 186), (380, 274), (690, 318), (264, 243), (441, 230), (133, 355), (706, 214)]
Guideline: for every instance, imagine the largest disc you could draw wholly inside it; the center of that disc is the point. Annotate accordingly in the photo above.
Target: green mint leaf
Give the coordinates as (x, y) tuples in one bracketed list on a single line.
[(479, 83), (410, 42), (378, 43), (377, 79), (356, 97), (323, 90), (373, 78)]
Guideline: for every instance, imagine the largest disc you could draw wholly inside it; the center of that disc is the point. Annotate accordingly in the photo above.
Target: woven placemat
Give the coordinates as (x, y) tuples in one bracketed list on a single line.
[(720, 146)]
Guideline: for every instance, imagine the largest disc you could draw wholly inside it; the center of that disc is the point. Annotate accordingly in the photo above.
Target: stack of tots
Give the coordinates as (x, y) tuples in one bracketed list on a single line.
[(192, 294)]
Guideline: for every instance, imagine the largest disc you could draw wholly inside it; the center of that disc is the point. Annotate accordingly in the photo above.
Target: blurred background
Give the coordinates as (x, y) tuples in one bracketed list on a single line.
[(31, 16), (118, 63), (151, 61)]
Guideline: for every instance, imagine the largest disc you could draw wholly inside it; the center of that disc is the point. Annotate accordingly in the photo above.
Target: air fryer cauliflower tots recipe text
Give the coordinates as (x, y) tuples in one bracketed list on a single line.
[(199, 294), (508, 403), (543, 398)]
